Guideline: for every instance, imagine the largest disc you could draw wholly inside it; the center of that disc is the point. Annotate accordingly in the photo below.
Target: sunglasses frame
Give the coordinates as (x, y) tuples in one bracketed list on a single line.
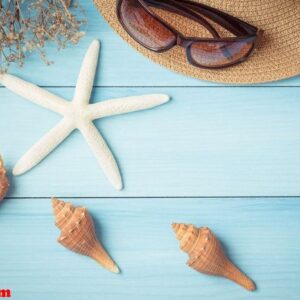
[(186, 8)]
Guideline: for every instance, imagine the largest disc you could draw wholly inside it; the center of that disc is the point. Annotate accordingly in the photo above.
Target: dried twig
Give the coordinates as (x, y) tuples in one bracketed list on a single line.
[(25, 26)]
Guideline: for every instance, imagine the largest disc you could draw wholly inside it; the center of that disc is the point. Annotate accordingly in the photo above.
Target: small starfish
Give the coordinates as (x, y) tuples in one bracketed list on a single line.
[(78, 114)]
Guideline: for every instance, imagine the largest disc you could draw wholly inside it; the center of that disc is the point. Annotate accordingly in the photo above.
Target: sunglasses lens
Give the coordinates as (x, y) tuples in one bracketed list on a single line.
[(144, 27), (216, 54)]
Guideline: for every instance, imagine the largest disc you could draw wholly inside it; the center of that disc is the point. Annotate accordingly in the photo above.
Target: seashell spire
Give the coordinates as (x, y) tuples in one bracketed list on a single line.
[(78, 233), (4, 183), (206, 254)]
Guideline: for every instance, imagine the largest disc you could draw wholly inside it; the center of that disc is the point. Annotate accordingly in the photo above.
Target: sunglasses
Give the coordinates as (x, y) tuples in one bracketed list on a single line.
[(153, 33)]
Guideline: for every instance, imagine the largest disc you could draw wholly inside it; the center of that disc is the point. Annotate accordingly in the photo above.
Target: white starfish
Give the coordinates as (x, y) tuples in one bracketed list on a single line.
[(78, 114)]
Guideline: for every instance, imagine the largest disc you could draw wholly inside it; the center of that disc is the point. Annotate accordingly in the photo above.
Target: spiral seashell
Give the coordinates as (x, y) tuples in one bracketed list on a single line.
[(4, 183), (78, 233), (206, 254)]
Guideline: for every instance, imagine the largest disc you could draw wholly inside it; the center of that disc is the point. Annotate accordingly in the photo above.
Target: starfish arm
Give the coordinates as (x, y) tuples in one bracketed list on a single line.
[(86, 76), (125, 105), (102, 153), (43, 147), (33, 93)]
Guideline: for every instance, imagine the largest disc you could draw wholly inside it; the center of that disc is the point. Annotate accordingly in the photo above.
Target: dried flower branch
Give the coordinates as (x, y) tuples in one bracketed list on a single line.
[(25, 26)]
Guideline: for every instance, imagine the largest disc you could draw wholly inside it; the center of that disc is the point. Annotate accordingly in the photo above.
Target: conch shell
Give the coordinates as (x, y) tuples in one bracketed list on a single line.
[(4, 183), (206, 254), (78, 233)]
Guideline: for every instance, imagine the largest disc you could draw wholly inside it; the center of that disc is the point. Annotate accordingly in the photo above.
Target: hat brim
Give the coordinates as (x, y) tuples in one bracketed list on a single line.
[(276, 57)]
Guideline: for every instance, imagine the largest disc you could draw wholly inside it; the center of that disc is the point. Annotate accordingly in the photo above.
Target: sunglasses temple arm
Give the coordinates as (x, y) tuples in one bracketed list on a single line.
[(178, 9), (234, 25), (231, 23)]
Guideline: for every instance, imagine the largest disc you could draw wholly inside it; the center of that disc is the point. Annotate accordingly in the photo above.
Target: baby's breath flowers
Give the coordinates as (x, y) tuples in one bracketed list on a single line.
[(25, 26)]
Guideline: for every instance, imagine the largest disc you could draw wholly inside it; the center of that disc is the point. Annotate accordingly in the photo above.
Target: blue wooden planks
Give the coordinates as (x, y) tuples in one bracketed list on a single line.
[(259, 235), (210, 141), (205, 142)]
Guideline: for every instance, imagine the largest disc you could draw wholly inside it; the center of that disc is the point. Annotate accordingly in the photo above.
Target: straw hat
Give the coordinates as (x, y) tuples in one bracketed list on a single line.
[(276, 57)]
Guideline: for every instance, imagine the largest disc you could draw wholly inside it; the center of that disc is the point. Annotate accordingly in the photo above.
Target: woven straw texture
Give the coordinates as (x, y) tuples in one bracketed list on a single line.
[(276, 57)]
